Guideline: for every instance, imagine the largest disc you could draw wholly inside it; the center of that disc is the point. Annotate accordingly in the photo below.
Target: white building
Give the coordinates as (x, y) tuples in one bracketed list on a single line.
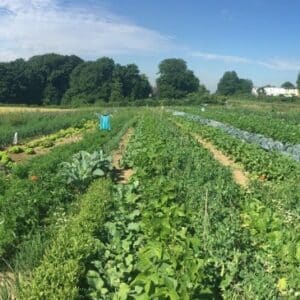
[(275, 91)]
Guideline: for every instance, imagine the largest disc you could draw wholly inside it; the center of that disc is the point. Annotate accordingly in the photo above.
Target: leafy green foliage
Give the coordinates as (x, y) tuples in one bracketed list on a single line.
[(105, 80), (34, 190), (270, 212), (284, 130), (53, 79), (71, 246), (270, 165), (15, 149), (29, 124), (4, 158), (231, 84), (176, 233), (85, 167), (175, 80), (42, 79)]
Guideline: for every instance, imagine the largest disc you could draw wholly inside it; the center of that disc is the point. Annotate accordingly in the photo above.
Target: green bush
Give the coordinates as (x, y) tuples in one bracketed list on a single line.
[(63, 262)]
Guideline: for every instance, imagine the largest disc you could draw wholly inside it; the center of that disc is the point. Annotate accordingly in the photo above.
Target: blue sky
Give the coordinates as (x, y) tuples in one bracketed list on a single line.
[(258, 38)]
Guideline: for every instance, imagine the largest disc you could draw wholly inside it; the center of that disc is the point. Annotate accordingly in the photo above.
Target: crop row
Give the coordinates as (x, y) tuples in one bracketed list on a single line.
[(181, 230), (280, 130), (48, 141), (271, 210), (63, 262), (265, 143), (35, 189), (29, 124), (176, 232)]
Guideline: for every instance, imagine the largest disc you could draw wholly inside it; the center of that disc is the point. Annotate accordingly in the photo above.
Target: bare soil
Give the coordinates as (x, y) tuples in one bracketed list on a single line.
[(239, 175), (122, 175)]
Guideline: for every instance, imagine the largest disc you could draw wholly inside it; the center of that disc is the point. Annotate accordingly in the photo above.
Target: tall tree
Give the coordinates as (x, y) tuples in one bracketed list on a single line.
[(287, 85), (54, 71), (228, 84), (116, 92), (43, 78), (245, 86), (231, 84), (175, 80), (91, 81), (134, 84)]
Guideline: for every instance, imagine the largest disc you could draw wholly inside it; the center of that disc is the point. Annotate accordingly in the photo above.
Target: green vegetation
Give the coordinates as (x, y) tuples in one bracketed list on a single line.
[(43, 79), (85, 167), (270, 212), (288, 85), (36, 189), (175, 80), (104, 80), (281, 130), (53, 79), (182, 228), (231, 84), (30, 124), (63, 262)]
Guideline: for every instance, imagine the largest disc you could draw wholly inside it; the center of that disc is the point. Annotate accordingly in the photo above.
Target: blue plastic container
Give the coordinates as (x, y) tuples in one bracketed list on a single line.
[(104, 122)]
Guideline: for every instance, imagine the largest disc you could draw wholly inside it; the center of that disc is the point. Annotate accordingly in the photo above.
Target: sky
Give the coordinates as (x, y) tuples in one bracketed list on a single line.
[(259, 39)]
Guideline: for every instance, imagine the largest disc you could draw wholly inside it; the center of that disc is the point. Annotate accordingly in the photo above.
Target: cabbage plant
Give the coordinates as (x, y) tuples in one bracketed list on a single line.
[(85, 167)]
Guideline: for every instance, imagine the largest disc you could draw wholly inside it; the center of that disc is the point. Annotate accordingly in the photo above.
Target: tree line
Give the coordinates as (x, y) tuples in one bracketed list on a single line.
[(54, 79), (61, 79)]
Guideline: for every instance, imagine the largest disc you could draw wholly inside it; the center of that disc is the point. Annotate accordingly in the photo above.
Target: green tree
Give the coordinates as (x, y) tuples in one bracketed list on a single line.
[(175, 80), (91, 81), (116, 93), (287, 85), (143, 87), (202, 90), (134, 85), (231, 84), (228, 84), (245, 86), (54, 72), (43, 78)]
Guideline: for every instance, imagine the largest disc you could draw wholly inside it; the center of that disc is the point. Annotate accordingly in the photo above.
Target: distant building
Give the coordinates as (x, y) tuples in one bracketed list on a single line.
[(275, 91)]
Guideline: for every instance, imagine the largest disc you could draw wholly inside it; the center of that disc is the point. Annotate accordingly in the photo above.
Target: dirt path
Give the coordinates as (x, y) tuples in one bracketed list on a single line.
[(122, 175), (239, 175)]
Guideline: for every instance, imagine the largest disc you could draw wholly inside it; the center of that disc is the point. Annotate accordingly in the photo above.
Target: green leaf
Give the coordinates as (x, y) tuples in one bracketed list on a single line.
[(123, 291), (98, 172), (133, 226), (129, 259), (94, 280)]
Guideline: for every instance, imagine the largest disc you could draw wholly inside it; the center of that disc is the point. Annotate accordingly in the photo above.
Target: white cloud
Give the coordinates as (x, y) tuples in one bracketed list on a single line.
[(29, 27), (277, 64)]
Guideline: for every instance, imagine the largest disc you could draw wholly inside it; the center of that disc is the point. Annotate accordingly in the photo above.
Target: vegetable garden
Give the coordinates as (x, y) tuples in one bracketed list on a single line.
[(181, 228)]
